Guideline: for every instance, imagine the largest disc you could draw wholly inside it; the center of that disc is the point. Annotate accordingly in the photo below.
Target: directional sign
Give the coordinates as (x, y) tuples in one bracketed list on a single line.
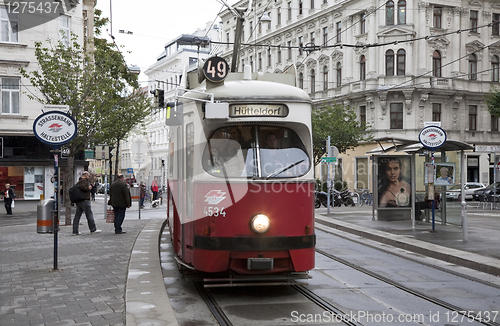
[(329, 159)]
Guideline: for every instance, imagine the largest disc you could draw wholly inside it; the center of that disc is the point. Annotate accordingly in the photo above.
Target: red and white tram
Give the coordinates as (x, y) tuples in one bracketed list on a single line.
[(240, 175)]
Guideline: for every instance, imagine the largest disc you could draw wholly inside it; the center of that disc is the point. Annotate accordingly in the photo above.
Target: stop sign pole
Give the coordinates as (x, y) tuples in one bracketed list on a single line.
[(55, 128)]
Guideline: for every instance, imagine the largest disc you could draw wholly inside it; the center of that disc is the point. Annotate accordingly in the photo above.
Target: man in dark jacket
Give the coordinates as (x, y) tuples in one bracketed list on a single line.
[(84, 206), (120, 199)]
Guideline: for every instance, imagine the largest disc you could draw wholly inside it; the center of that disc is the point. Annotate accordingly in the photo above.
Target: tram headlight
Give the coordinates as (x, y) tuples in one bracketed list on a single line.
[(260, 223)]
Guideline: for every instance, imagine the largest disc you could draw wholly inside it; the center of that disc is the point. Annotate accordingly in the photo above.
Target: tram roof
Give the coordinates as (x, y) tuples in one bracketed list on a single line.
[(262, 89)]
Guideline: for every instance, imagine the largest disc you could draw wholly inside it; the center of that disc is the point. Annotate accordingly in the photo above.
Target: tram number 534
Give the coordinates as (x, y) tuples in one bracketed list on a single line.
[(214, 211), (215, 69)]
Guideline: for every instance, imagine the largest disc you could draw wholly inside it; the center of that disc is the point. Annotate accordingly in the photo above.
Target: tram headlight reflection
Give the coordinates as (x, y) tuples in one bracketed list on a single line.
[(260, 223)]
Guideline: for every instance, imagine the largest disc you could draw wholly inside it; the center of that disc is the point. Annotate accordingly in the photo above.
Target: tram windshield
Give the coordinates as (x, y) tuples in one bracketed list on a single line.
[(255, 152)]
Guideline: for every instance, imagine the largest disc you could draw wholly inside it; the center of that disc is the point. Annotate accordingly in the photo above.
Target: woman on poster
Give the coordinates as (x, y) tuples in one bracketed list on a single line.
[(394, 190)]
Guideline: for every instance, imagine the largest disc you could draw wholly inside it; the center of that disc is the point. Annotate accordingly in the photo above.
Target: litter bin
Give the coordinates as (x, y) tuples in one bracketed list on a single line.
[(45, 216)]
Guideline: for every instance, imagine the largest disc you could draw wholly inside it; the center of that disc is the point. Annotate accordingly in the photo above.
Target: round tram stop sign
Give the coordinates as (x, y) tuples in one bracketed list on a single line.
[(432, 137), (55, 128)]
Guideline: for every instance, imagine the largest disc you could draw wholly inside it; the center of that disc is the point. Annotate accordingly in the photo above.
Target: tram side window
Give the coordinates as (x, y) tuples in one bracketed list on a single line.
[(255, 151)]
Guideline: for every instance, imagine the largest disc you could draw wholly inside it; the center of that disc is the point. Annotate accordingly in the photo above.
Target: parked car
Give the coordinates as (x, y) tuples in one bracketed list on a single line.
[(100, 190), (454, 192), (487, 193)]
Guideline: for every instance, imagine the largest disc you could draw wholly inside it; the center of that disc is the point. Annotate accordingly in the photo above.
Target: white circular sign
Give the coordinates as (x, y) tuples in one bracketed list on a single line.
[(432, 137), (55, 128)]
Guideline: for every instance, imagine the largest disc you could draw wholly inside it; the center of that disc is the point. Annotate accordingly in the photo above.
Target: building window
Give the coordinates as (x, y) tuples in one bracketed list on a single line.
[(325, 1), (289, 11), (269, 61), (389, 63), (312, 4), (278, 55), (227, 38), (279, 16), (362, 68), (396, 115), (472, 117), (494, 123), (495, 28), (260, 28), (389, 13), (289, 45), (325, 36), (436, 64), (401, 62), (495, 68), (362, 23), (325, 77), (301, 80), (301, 44), (339, 74), (259, 60), (362, 116), (10, 95), (472, 67), (313, 81), (300, 6), (402, 12), (251, 62), (436, 111), (313, 38), (65, 29), (8, 25), (438, 14), (339, 32), (473, 20)]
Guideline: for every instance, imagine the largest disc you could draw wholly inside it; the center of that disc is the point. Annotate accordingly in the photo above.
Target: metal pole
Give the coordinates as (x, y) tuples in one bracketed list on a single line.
[(328, 178), (140, 182), (55, 221), (431, 195), (105, 188), (237, 39), (464, 204)]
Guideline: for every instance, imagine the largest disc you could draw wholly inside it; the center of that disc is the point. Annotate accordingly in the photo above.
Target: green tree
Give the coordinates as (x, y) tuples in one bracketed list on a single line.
[(343, 127), (94, 83), (493, 102)]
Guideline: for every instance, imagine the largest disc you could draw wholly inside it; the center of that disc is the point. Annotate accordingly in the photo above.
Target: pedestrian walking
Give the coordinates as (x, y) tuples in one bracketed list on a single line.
[(120, 199), (94, 190), (142, 194), (84, 206), (154, 189), (8, 197)]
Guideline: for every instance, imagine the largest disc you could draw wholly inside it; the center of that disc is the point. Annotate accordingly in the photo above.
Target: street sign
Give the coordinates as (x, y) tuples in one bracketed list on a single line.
[(89, 154), (329, 159), (130, 171), (54, 128), (432, 137), (65, 152)]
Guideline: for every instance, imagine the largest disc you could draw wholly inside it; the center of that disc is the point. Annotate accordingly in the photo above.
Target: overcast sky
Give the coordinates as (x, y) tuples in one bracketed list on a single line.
[(154, 23)]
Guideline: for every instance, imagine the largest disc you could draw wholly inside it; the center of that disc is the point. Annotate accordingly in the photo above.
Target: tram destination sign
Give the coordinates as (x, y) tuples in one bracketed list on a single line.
[(55, 128), (258, 110), (432, 137)]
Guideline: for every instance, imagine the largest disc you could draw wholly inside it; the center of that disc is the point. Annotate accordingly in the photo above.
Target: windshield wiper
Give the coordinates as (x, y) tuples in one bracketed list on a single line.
[(284, 169)]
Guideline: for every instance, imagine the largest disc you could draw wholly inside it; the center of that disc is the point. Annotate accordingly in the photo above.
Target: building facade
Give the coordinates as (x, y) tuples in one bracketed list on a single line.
[(397, 63), (146, 151), (25, 162)]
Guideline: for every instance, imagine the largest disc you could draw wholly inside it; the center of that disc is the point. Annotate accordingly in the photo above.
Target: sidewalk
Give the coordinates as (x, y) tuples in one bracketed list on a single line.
[(93, 270), (108, 279)]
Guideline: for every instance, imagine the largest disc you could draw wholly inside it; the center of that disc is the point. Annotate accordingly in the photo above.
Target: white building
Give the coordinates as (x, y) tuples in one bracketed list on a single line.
[(25, 162), (151, 144), (398, 63)]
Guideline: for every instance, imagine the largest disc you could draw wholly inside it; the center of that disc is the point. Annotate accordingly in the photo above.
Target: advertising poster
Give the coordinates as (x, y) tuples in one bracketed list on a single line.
[(394, 181), (445, 174)]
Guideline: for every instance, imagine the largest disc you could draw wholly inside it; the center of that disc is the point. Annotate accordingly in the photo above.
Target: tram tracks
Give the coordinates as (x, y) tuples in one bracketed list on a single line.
[(467, 313)]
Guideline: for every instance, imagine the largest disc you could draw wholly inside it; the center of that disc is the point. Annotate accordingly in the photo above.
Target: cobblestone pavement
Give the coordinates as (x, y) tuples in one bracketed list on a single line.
[(87, 289)]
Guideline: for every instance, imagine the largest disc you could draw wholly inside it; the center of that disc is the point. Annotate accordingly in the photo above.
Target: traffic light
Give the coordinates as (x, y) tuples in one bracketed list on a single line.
[(323, 145), (111, 151), (159, 98), (174, 113)]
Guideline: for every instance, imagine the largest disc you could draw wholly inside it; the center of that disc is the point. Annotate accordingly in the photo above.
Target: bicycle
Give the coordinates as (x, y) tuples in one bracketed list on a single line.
[(147, 197)]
